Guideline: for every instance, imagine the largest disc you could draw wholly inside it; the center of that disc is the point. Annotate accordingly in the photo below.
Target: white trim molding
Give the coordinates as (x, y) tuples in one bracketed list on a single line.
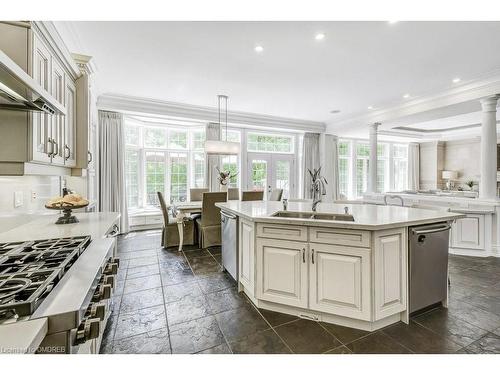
[(466, 93), (143, 106)]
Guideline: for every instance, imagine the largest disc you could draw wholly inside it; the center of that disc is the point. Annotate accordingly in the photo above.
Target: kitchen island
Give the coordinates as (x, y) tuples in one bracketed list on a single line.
[(344, 264)]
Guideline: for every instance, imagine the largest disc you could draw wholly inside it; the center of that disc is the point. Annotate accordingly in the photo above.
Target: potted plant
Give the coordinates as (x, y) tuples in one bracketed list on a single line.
[(470, 184), (224, 177)]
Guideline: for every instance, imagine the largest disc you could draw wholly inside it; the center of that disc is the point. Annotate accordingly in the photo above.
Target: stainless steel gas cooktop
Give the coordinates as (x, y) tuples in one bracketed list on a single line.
[(30, 270)]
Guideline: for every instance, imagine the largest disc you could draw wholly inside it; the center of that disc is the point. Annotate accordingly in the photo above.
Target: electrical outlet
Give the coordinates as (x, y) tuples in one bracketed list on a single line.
[(33, 195), (18, 198)]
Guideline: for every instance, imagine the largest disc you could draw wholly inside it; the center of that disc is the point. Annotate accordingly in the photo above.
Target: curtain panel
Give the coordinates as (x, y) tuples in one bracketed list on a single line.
[(310, 160), (413, 166), (213, 133), (112, 185), (330, 168)]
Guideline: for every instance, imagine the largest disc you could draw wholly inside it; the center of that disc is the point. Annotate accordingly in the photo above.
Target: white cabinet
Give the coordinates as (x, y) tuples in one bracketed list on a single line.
[(247, 255), (42, 146), (57, 123), (468, 232), (340, 280), (282, 272), (390, 272), (69, 134)]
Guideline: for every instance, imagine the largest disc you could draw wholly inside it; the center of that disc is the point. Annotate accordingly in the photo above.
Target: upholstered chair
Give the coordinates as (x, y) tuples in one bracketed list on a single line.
[(208, 226), (233, 194), (252, 196), (170, 233), (197, 193), (276, 195)]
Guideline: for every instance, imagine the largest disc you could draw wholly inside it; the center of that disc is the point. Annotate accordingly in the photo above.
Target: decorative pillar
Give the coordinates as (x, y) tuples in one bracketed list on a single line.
[(488, 183), (372, 167)]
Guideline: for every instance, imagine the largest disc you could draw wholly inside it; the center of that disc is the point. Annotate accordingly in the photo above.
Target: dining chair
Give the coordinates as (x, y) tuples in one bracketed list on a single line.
[(252, 196), (208, 226), (197, 193), (233, 194), (170, 233), (276, 195)]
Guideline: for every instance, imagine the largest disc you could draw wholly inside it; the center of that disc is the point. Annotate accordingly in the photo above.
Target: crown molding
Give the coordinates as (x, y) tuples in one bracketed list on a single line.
[(471, 91), (143, 106)]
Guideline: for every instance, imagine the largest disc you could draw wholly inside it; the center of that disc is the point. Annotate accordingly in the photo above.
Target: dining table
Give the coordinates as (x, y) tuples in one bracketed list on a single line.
[(185, 209)]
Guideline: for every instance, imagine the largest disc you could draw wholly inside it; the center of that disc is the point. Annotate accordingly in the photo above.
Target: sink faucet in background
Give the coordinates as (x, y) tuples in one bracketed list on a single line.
[(318, 187)]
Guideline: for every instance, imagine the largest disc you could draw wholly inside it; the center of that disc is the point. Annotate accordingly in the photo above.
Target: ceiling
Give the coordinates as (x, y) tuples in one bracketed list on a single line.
[(356, 65)]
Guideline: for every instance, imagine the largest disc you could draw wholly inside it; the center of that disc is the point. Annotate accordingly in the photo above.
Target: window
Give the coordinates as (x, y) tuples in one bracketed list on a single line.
[(230, 163), (178, 177), (155, 176), (400, 167), (165, 159), (362, 165), (344, 168), (354, 160), (269, 143), (132, 177)]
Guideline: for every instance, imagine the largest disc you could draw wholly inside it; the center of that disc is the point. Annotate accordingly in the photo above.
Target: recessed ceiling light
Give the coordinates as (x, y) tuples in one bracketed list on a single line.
[(392, 22), (259, 49), (370, 107), (406, 96), (334, 111), (456, 80), (319, 36)]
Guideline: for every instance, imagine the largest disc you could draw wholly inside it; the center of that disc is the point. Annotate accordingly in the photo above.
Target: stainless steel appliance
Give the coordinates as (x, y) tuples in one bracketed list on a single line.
[(428, 263), (229, 228), (69, 281), (18, 91)]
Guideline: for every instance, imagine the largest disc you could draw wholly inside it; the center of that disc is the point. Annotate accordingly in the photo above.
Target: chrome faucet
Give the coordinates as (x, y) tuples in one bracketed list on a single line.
[(285, 204), (318, 187)]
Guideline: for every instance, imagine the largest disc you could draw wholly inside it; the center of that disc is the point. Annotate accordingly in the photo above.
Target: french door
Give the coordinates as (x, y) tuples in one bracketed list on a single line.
[(271, 171)]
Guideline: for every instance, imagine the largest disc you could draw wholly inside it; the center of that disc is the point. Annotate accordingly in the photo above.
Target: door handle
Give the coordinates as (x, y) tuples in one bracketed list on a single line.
[(90, 157), (51, 152), (66, 148), (312, 256), (303, 255)]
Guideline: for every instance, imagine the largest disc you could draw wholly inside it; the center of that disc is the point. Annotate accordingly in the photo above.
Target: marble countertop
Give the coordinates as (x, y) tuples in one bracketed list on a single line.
[(436, 197), (94, 224), (366, 216), (22, 337)]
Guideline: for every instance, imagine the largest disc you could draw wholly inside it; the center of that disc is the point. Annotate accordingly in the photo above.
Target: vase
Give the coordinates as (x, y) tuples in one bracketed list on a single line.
[(223, 188)]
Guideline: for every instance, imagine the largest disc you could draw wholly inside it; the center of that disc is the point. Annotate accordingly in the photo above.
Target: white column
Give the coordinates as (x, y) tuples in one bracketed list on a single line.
[(372, 170), (488, 183)]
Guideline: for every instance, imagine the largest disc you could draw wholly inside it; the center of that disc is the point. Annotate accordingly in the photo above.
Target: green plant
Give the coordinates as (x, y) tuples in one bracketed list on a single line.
[(470, 183)]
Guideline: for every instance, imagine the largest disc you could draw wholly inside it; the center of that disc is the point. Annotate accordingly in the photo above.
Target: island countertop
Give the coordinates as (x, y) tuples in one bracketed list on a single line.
[(94, 224), (366, 216)]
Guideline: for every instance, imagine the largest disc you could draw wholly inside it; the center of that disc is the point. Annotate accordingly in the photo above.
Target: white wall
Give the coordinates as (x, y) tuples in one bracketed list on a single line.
[(463, 156)]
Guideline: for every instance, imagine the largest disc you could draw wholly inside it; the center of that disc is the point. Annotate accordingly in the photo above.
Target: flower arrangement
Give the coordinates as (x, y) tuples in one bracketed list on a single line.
[(225, 176), (470, 184)]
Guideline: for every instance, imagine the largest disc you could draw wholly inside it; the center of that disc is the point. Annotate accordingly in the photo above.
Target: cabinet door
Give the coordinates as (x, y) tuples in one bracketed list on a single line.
[(390, 272), (57, 123), (69, 144), (282, 271), (340, 280), (468, 233), (42, 148), (247, 259)]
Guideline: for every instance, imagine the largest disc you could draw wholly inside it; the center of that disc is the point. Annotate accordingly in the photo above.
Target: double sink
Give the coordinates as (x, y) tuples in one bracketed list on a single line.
[(313, 216)]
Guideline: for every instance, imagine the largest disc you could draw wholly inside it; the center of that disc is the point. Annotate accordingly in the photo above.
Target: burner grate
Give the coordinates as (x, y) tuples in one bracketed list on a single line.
[(30, 270)]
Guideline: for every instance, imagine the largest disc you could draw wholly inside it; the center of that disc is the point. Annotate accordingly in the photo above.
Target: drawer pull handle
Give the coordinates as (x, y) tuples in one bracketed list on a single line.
[(303, 255), (312, 256)]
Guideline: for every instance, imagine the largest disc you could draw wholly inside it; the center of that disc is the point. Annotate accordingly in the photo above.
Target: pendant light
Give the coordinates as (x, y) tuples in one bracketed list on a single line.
[(218, 147)]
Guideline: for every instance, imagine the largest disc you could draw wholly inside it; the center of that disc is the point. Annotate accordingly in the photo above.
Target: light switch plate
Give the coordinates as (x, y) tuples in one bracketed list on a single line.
[(18, 198)]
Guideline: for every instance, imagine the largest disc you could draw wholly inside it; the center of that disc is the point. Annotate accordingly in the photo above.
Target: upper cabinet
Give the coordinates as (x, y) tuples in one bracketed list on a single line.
[(44, 144)]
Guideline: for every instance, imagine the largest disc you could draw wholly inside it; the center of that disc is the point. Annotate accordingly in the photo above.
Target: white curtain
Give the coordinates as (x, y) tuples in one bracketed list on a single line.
[(413, 166), (330, 168), (112, 187), (213, 133), (310, 160)]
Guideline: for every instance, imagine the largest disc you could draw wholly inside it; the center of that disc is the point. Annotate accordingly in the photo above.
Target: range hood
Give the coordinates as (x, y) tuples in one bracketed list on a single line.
[(18, 91)]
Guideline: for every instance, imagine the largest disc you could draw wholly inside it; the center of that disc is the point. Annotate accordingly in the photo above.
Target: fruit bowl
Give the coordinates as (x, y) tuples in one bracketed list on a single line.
[(66, 206)]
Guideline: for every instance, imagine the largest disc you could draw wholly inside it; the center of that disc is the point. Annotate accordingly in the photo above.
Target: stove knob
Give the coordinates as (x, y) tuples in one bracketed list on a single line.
[(98, 310), (109, 279), (89, 330), (105, 292), (116, 260), (111, 269)]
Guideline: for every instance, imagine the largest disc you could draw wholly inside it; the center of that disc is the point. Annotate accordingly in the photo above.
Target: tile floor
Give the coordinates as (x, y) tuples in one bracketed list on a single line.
[(170, 302)]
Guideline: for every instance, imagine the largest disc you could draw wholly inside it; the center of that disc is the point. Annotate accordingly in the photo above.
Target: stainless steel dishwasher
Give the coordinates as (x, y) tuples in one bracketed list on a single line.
[(229, 228), (428, 265)]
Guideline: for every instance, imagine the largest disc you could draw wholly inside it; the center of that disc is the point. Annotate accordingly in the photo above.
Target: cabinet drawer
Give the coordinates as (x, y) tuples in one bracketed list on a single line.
[(336, 236), (286, 232)]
